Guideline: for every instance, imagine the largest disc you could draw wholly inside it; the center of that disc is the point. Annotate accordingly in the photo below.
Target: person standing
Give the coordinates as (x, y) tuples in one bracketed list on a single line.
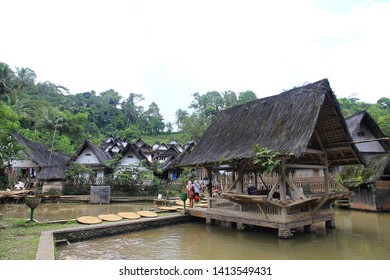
[(196, 191), (190, 192)]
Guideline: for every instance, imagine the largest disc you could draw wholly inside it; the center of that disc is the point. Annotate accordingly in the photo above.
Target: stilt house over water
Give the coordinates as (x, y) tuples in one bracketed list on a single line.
[(306, 128)]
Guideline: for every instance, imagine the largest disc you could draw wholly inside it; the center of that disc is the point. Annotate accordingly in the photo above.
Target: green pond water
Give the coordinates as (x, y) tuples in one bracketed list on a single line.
[(358, 236)]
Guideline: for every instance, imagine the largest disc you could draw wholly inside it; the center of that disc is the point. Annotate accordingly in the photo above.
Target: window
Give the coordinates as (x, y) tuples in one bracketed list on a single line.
[(360, 133), (130, 156), (88, 155)]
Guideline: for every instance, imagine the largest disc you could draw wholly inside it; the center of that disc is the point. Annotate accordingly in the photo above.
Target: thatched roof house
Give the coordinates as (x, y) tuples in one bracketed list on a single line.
[(89, 154), (304, 123), (52, 164), (366, 133)]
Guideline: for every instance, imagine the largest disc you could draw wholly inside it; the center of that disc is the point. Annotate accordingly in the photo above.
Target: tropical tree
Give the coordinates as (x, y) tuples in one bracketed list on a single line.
[(9, 83), (246, 96), (153, 120), (131, 110), (229, 99), (181, 115), (10, 150)]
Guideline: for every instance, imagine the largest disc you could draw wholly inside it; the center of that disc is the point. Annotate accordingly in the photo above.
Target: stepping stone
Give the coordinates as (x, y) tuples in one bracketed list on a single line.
[(148, 214), (89, 220), (129, 215), (110, 217)]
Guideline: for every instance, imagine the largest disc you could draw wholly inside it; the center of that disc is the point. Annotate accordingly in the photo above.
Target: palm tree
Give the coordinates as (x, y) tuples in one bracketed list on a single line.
[(131, 110), (51, 120), (9, 83)]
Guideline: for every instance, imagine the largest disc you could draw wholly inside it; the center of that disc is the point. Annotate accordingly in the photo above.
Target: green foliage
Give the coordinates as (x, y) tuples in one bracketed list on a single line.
[(79, 174), (267, 158), (9, 151), (379, 111)]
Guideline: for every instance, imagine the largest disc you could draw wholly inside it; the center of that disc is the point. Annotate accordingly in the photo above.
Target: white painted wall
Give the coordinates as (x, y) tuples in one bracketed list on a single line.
[(367, 146), (129, 159)]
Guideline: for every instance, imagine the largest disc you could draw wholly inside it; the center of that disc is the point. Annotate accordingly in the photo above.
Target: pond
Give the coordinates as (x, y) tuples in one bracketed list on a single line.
[(358, 236), (68, 211)]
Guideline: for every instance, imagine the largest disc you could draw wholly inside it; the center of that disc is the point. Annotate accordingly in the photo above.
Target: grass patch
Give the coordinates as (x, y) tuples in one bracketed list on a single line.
[(20, 238)]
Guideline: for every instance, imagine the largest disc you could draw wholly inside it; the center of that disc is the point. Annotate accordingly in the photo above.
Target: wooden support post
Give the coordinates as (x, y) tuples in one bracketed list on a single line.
[(262, 210), (282, 187), (326, 174), (241, 180), (210, 185), (274, 189), (255, 181)]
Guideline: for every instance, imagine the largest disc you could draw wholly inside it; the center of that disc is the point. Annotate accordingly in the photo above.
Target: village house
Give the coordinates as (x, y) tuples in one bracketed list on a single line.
[(132, 156), (145, 149), (306, 128), (92, 157), (374, 193), (48, 167)]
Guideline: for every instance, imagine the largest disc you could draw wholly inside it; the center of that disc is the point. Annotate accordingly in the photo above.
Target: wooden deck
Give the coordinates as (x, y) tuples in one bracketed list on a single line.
[(240, 211)]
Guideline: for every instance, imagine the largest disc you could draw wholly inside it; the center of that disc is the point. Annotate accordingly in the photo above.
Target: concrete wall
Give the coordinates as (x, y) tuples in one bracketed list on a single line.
[(371, 199)]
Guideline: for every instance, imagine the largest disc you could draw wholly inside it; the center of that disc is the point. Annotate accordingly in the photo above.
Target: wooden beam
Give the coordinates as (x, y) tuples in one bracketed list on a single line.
[(338, 184), (274, 188), (313, 151), (233, 185), (294, 187), (261, 178), (305, 166), (262, 210), (371, 140), (319, 204)]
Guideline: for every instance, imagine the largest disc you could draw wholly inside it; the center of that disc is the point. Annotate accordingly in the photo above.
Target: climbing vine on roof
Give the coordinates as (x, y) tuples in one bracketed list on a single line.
[(267, 158)]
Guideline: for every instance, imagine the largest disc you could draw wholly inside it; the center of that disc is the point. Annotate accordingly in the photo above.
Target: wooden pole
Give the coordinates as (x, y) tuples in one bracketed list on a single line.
[(255, 174), (210, 185), (282, 187), (326, 174), (241, 180)]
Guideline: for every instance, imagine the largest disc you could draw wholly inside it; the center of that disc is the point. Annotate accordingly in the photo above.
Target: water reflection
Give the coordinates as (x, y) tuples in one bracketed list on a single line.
[(359, 235), (67, 211)]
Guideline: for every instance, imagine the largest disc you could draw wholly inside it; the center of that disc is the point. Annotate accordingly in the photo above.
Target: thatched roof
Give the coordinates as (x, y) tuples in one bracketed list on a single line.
[(377, 166), (53, 164), (173, 160), (363, 118), (292, 122), (137, 151)]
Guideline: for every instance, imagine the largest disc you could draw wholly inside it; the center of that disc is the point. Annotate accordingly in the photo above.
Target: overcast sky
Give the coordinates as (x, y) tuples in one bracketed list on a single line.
[(167, 50)]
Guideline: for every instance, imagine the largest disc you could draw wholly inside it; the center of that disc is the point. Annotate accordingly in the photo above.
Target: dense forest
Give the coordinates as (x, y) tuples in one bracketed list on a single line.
[(49, 114)]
